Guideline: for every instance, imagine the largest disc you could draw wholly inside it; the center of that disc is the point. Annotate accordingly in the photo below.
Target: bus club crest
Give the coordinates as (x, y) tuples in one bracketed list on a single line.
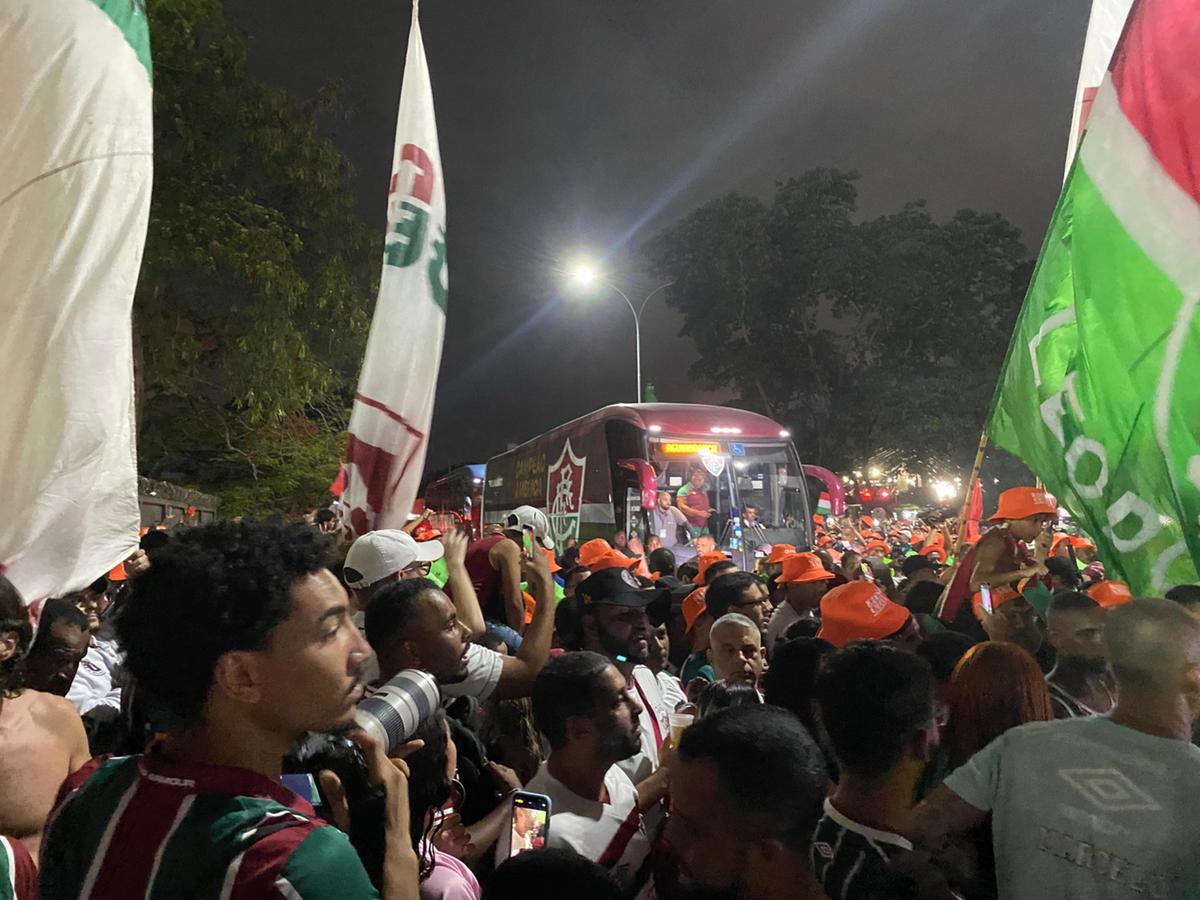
[(564, 494)]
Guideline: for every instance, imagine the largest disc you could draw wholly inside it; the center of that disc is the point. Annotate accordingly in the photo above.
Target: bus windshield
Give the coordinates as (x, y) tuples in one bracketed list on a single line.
[(762, 483)]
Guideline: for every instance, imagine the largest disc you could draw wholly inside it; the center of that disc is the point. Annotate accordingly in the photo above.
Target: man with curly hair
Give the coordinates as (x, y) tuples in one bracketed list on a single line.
[(242, 635)]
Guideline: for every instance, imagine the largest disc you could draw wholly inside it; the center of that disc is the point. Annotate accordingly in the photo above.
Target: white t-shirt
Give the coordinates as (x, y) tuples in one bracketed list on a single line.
[(483, 674), (653, 723), (93, 685), (612, 834), (781, 620), (672, 691), (1088, 808)]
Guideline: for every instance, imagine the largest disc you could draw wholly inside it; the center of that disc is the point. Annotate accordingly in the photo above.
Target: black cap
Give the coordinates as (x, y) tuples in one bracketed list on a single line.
[(914, 564), (619, 587)]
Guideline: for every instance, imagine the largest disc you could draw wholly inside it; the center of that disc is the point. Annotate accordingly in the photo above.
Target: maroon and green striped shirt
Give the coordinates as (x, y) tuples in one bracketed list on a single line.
[(18, 874), (138, 826)]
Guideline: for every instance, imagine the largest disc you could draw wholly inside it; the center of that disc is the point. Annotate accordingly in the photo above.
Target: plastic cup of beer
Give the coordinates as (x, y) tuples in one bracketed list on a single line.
[(679, 723)]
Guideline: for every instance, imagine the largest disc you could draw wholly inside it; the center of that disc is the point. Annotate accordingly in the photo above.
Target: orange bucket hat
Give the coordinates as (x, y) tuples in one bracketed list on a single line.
[(1110, 593), (694, 606), (779, 552), (1024, 502), (707, 561), (859, 611), (801, 568), (878, 545), (613, 559), (592, 550)]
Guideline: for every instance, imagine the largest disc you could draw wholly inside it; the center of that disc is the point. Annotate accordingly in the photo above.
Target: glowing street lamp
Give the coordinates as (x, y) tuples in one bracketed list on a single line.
[(584, 275)]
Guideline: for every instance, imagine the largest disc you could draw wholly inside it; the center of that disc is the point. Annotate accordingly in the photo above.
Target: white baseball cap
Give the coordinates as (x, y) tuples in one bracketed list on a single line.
[(379, 554), (532, 519)]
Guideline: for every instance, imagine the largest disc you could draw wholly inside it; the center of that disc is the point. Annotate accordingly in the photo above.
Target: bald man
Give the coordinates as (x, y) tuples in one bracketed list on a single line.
[(1103, 806)]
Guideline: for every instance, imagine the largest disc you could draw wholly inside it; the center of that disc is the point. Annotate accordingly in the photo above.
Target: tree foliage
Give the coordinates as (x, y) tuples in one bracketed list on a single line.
[(256, 288), (865, 337)]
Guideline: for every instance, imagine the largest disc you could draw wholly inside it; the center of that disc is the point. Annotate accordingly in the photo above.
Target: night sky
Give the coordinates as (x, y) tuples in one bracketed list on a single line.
[(572, 126)]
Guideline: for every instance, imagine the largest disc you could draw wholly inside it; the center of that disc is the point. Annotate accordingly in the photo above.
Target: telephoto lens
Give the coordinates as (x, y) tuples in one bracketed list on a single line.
[(393, 713)]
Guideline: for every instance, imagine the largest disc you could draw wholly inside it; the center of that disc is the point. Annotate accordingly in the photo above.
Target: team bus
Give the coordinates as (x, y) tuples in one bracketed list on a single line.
[(601, 473)]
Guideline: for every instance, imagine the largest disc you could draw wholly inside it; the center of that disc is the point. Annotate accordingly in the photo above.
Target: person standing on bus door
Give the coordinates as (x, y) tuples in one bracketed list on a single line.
[(692, 500), (494, 566), (667, 520)]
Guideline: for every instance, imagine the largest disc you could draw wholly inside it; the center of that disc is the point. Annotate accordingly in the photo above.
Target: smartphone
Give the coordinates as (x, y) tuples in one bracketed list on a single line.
[(528, 825), (985, 598), (867, 572), (303, 785), (527, 537)]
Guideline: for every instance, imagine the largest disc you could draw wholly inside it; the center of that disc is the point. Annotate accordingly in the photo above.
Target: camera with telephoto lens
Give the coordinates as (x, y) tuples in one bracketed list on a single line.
[(391, 716)]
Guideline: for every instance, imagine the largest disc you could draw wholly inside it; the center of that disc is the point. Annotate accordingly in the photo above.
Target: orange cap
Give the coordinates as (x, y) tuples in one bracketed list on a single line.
[(1110, 593), (867, 522), (425, 532), (1023, 502), (932, 548), (778, 552), (818, 520), (592, 550), (1000, 596), (878, 545), (1079, 543), (707, 561), (801, 568), (613, 559), (693, 607), (554, 566), (859, 611), (118, 573)]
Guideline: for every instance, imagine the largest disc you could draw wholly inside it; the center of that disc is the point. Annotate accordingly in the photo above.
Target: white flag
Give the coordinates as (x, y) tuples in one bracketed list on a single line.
[(393, 407), (76, 144), (1105, 25)]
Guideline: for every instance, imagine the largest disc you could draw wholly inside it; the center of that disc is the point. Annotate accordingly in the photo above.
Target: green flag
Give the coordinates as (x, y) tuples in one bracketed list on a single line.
[(1100, 391)]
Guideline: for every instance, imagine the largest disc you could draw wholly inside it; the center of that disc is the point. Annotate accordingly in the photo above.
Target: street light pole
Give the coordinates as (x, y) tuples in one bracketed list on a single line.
[(637, 326)]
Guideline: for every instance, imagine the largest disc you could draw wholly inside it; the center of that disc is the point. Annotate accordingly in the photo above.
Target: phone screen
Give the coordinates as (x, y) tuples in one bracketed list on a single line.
[(529, 822), (527, 537), (985, 597)]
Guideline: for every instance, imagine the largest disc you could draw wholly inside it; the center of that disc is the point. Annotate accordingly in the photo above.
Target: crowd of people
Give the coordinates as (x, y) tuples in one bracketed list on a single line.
[(893, 712)]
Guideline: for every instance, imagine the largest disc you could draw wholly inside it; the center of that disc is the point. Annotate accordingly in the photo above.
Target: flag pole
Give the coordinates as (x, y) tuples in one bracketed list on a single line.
[(966, 504), (962, 520)]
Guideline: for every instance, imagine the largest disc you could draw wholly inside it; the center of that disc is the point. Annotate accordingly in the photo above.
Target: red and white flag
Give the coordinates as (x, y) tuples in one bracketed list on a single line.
[(1104, 30), (393, 408)]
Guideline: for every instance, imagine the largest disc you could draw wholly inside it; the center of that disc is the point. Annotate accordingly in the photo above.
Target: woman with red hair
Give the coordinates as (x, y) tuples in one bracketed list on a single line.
[(996, 686)]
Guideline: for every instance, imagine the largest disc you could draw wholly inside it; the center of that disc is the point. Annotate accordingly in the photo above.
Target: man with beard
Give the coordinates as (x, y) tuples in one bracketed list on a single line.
[(411, 624), (1080, 682), (616, 624), (746, 794), (582, 705)]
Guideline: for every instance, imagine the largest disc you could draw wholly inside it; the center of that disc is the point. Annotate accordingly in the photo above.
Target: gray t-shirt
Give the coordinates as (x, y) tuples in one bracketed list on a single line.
[(1085, 808)]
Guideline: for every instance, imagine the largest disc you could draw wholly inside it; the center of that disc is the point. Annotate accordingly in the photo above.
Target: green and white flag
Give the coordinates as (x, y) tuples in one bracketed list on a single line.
[(393, 408), (77, 148), (1100, 391)]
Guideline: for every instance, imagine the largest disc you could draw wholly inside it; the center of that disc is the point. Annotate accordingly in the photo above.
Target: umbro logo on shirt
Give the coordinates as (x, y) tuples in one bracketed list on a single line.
[(824, 849)]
